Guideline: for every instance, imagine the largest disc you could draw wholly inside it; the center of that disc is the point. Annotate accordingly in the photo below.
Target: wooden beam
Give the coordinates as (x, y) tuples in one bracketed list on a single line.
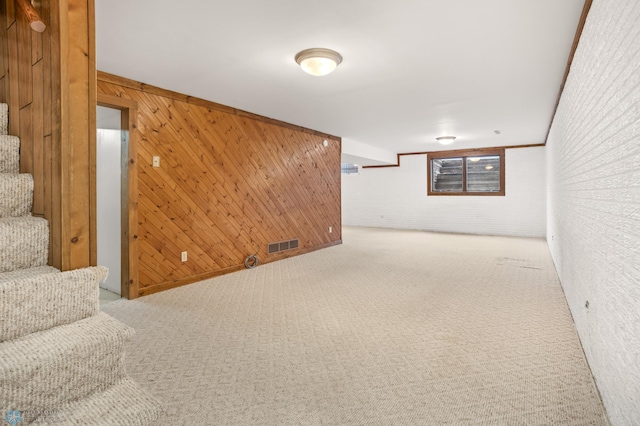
[(77, 130)]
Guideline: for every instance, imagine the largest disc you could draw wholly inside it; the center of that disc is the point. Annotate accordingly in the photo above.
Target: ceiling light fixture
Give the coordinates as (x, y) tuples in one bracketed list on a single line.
[(318, 61), (489, 167), (446, 140)]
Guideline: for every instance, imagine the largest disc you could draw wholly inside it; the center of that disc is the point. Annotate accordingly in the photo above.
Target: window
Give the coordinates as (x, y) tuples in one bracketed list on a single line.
[(349, 169), (477, 172)]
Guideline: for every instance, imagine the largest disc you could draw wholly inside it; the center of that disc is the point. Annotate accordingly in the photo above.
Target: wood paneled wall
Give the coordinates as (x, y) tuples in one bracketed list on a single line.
[(48, 80), (229, 183)]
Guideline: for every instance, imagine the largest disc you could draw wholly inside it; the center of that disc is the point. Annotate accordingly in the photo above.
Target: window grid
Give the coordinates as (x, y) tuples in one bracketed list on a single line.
[(491, 160)]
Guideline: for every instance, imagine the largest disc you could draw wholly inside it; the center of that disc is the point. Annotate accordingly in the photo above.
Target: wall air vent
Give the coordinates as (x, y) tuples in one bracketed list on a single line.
[(282, 246)]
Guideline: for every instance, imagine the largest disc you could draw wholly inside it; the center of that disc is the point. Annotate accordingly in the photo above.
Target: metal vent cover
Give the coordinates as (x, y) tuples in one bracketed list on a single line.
[(283, 246), (273, 248)]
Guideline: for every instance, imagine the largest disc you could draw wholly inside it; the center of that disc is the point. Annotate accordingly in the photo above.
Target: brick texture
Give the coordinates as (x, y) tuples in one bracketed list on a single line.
[(397, 198), (593, 175)]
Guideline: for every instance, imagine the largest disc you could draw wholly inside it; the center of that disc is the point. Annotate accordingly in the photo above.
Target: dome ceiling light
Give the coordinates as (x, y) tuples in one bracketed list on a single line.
[(446, 140), (318, 61)]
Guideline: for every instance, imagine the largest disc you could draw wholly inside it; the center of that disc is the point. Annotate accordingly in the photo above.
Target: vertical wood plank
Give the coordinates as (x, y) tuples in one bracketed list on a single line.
[(25, 75), (133, 283), (26, 139), (76, 119), (10, 12), (47, 185), (36, 38), (47, 103), (55, 218), (92, 126), (64, 147), (38, 139), (55, 74), (3, 40), (126, 142), (14, 90), (4, 54)]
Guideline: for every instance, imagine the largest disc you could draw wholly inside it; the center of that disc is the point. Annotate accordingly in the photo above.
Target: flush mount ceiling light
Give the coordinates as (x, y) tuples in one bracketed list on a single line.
[(318, 61), (446, 140)]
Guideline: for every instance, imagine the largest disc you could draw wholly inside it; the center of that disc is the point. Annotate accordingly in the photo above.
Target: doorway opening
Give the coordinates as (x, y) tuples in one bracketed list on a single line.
[(115, 198)]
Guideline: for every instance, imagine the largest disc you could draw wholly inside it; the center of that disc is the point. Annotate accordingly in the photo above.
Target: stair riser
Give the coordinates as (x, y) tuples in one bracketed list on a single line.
[(24, 243), (64, 379), (16, 195), (67, 363), (41, 302), (9, 154)]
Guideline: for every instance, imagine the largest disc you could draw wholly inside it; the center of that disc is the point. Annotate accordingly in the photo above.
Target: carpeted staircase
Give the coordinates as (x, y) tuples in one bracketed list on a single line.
[(61, 359)]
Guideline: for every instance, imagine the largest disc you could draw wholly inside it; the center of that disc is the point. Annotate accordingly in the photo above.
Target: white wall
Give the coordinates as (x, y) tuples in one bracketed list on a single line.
[(108, 178), (594, 201), (396, 197)]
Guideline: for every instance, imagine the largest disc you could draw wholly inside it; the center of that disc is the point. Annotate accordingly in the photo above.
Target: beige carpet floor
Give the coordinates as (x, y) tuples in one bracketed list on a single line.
[(390, 328)]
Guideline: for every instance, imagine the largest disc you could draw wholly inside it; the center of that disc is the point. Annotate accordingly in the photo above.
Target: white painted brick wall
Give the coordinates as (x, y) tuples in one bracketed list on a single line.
[(594, 201), (396, 197)]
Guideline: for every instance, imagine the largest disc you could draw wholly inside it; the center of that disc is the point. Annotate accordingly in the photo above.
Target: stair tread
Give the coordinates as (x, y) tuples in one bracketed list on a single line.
[(58, 340), (23, 219), (27, 273), (16, 194), (51, 367), (124, 403)]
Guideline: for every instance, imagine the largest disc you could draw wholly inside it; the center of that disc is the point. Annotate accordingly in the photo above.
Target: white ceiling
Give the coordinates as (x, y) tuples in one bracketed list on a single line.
[(412, 70)]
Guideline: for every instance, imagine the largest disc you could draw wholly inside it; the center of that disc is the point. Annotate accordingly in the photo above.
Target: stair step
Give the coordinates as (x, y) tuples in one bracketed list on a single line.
[(4, 119), (24, 242), (43, 370), (16, 194), (9, 154), (124, 403), (26, 273), (38, 302)]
